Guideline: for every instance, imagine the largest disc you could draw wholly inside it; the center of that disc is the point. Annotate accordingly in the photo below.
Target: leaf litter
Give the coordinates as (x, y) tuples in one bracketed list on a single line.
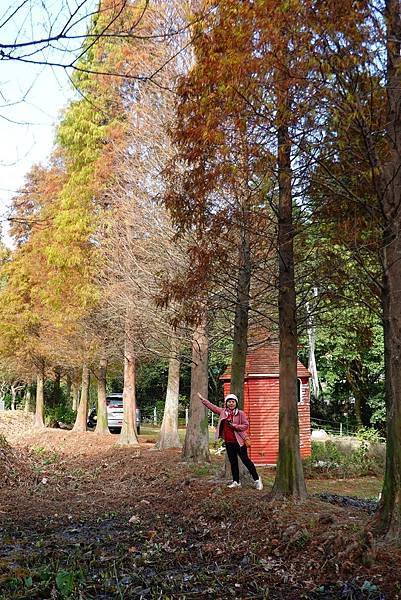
[(109, 525)]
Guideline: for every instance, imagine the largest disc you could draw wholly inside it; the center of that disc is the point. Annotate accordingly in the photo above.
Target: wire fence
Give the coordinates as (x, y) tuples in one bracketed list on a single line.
[(334, 427), (154, 416)]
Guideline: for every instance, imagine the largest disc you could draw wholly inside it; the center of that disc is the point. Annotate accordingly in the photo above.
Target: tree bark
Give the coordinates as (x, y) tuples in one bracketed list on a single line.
[(196, 444), (128, 435), (56, 395), (359, 400), (68, 388), (168, 437), (388, 518), (13, 397), (27, 399), (311, 331), (240, 337), (289, 479), (40, 402), (75, 392), (82, 413), (101, 412)]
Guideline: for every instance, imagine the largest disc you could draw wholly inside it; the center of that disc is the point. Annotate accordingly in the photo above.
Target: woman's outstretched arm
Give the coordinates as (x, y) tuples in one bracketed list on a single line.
[(216, 409)]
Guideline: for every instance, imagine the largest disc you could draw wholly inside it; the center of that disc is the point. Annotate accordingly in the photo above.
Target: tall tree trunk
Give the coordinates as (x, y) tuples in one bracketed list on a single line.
[(75, 391), (240, 338), (68, 388), (168, 437), (358, 409), (128, 435), (40, 401), (13, 397), (196, 444), (101, 422), (289, 479), (311, 330), (388, 517), (82, 413), (27, 399), (56, 395)]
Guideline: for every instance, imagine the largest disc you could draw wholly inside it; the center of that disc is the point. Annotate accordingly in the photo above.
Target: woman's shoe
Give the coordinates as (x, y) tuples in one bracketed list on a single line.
[(259, 484), (234, 484)]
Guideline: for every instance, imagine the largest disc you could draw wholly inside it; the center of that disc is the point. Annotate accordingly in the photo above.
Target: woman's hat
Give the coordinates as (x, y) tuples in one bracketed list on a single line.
[(231, 397)]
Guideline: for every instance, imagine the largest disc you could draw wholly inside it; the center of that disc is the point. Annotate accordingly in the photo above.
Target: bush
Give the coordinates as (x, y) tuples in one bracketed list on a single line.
[(326, 451), (328, 460), (8, 400), (369, 434), (60, 414)]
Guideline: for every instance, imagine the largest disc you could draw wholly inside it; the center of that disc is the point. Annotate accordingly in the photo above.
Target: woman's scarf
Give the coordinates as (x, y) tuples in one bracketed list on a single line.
[(230, 414)]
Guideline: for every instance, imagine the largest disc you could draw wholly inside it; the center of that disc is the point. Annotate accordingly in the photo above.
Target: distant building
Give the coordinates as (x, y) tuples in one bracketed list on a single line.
[(261, 404)]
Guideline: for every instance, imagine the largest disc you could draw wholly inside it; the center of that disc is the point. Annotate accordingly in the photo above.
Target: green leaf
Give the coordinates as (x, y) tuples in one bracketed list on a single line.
[(64, 582), (369, 587)]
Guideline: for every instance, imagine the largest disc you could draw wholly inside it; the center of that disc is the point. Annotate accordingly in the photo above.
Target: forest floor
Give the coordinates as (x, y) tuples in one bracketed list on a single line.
[(82, 518)]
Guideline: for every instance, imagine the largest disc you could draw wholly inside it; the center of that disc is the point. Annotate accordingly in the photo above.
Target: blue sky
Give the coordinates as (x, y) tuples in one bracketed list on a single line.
[(32, 96), (27, 126)]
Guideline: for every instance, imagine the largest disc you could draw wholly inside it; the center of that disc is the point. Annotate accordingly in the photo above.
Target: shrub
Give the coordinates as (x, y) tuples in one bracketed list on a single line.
[(326, 451), (60, 413), (369, 434), (328, 460)]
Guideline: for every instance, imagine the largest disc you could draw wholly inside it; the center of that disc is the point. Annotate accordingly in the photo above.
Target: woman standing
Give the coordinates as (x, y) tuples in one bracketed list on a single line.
[(232, 427)]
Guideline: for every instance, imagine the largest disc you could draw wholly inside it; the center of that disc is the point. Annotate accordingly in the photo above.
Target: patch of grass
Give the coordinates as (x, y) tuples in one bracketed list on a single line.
[(3, 442), (39, 450), (48, 457), (80, 472), (51, 459), (42, 581), (151, 433), (200, 470), (106, 515), (362, 487), (350, 589)]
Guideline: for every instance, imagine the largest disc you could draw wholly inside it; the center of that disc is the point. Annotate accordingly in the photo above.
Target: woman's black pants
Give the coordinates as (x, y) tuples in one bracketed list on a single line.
[(234, 450)]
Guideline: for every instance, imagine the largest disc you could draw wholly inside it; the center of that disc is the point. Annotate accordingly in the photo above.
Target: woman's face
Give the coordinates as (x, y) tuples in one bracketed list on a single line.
[(231, 404)]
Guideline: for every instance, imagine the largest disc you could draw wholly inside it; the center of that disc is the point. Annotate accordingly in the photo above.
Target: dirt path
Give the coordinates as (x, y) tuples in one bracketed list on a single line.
[(82, 519)]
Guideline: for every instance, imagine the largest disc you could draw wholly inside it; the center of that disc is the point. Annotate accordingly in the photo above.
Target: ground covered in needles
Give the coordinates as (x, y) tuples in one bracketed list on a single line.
[(82, 518)]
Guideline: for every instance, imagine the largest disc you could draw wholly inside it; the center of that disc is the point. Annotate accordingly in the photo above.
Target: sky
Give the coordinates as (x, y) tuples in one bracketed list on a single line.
[(32, 96), (27, 127)]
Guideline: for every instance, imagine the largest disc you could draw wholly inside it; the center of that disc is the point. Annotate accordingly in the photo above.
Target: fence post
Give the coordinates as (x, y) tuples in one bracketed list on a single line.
[(186, 417), (341, 428), (154, 416), (212, 419)]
